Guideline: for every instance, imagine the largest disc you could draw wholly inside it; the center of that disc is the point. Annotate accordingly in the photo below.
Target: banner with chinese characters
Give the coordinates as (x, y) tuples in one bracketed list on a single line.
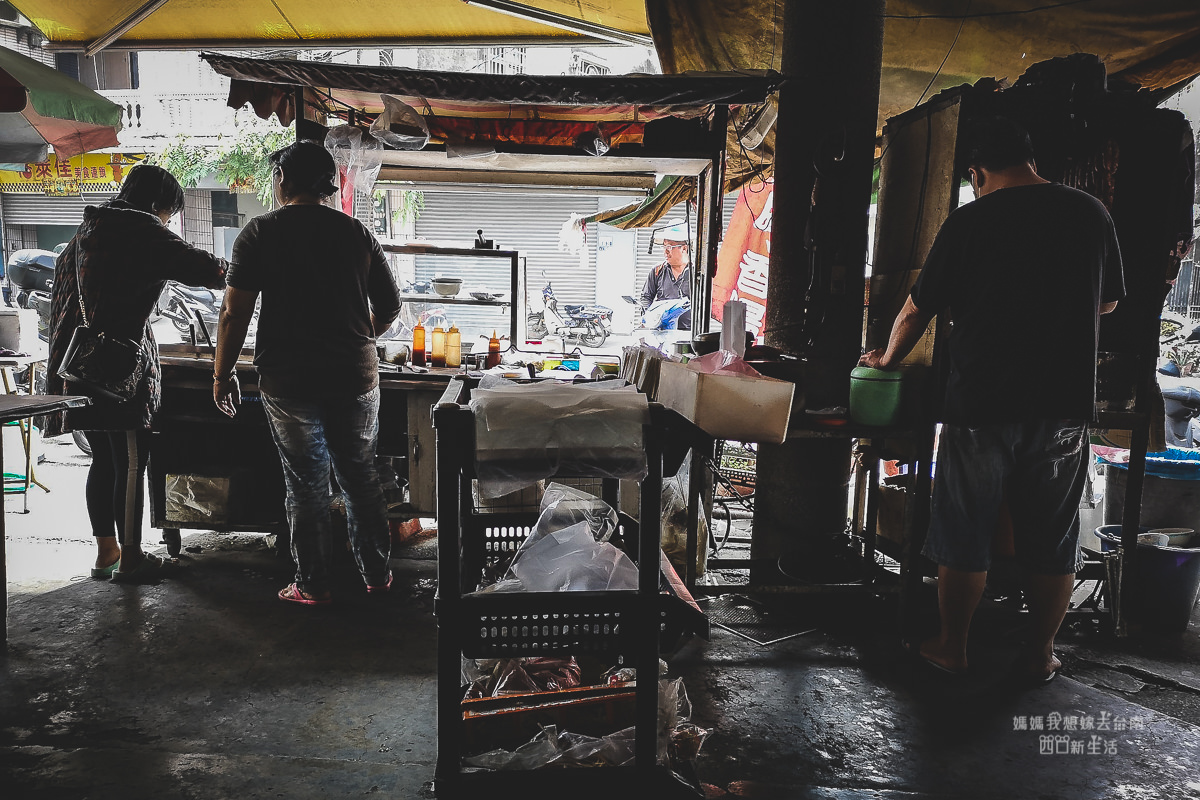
[(90, 172), (745, 254)]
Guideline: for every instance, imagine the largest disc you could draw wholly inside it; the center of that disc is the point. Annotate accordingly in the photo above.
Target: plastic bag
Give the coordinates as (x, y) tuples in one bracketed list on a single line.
[(569, 560), (358, 158), (197, 498), (723, 362), (568, 548), (564, 506), (674, 523), (399, 125), (679, 742), (500, 676)]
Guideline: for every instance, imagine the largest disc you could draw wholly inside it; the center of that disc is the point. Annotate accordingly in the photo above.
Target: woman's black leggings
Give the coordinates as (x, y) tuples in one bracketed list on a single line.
[(118, 457)]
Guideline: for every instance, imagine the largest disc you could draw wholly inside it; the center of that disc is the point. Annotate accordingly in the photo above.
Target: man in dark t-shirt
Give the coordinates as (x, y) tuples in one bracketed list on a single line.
[(326, 293), (1023, 273)]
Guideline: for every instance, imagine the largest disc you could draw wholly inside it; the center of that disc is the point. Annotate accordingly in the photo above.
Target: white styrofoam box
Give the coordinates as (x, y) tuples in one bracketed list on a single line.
[(734, 407)]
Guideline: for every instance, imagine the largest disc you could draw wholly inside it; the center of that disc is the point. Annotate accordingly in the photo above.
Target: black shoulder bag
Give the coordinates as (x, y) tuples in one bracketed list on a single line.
[(99, 364)]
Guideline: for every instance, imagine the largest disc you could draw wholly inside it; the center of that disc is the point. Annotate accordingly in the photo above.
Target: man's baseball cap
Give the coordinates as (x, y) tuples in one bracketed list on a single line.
[(675, 230)]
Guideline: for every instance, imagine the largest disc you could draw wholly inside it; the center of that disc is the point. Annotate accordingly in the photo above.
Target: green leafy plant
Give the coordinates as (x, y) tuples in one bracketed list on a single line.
[(244, 161), (240, 161), (189, 163), (411, 204)]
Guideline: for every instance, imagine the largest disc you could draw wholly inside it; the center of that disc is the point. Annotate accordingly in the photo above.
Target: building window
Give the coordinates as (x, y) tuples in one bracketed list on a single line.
[(68, 64), (105, 71), (225, 210), (506, 60)]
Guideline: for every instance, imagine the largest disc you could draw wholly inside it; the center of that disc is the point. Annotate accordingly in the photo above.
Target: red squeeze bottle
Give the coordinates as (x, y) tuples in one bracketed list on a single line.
[(418, 354)]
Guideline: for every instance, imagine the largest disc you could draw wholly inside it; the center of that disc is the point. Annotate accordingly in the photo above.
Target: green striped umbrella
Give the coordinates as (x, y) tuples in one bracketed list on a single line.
[(41, 106)]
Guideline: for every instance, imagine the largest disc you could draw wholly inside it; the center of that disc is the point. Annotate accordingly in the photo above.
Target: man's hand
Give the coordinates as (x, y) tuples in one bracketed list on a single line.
[(227, 394), (874, 359)]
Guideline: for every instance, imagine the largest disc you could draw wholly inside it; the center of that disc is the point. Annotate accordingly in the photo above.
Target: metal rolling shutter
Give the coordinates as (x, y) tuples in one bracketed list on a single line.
[(37, 209), (527, 223)]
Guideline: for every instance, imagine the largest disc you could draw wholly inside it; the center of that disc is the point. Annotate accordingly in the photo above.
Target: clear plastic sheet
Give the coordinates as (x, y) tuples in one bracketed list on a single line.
[(529, 432), (399, 125)]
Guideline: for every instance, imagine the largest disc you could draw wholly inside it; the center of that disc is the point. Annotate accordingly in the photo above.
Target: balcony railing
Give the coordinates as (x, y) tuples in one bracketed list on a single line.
[(156, 119)]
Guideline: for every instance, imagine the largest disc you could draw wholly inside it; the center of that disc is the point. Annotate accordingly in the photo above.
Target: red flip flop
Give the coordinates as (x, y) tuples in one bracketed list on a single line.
[(292, 594), (372, 589)]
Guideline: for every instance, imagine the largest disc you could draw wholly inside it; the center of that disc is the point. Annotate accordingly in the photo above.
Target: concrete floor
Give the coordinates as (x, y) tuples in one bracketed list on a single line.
[(206, 686)]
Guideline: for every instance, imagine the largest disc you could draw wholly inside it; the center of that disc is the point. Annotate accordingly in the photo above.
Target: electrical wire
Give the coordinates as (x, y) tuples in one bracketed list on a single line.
[(938, 71)]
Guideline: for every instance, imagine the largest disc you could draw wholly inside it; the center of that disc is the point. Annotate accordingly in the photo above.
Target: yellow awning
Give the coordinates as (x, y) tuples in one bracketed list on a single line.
[(283, 23)]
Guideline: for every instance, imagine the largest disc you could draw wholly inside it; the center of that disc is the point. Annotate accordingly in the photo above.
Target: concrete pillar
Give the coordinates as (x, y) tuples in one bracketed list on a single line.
[(832, 54)]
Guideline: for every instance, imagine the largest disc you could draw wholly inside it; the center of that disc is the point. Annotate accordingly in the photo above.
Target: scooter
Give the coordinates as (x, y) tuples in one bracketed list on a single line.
[(660, 320), (588, 325), (28, 280), (191, 310), (1181, 403)]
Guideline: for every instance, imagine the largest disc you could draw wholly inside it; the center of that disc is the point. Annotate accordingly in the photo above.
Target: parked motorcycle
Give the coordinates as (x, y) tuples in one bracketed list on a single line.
[(587, 325), (1181, 403), (191, 308), (28, 280)]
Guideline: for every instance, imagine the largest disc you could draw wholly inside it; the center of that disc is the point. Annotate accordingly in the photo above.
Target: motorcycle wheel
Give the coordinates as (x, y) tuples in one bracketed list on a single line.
[(81, 442), (595, 336), (535, 326)]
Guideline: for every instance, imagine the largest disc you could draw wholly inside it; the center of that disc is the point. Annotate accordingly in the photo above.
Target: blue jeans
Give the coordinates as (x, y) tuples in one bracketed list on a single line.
[(311, 435), (1038, 467)]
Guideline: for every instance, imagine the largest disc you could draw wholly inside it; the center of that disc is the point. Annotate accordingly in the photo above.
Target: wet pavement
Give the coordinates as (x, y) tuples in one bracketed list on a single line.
[(206, 686)]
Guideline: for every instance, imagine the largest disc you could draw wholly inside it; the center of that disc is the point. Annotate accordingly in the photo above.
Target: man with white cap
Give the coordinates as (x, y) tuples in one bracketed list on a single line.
[(672, 278)]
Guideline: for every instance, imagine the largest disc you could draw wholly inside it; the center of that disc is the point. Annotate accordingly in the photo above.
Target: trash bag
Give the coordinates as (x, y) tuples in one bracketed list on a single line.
[(399, 125)]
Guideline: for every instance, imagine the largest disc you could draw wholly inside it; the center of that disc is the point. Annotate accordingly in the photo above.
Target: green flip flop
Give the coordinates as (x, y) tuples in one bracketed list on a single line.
[(104, 573)]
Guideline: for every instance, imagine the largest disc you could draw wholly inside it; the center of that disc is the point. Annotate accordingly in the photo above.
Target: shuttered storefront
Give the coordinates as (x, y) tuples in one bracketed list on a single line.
[(527, 223), (38, 209)]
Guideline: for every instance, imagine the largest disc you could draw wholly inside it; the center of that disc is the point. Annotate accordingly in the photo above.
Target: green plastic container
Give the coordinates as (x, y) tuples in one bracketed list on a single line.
[(875, 396)]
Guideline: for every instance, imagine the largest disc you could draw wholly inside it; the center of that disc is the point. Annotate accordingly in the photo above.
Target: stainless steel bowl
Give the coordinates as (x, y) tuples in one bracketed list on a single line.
[(447, 287)]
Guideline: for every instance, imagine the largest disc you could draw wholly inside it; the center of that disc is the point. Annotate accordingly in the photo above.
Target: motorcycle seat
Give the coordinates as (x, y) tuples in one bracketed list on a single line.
[(573, 309)]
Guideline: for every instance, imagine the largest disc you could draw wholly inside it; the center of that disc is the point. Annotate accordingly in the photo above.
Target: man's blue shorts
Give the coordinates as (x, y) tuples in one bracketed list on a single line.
[(1039, 467)]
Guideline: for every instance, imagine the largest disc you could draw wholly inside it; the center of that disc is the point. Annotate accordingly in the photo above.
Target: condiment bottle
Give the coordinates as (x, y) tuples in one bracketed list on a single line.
[(418, 351), (437, 353), (453, 347), (493, 353)]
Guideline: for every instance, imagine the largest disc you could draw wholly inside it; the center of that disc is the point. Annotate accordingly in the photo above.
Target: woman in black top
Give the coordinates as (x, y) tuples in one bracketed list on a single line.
[(123, 255)]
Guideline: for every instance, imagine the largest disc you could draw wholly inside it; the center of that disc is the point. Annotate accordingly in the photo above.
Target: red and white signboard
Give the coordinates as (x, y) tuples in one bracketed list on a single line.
[(745, 254)]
